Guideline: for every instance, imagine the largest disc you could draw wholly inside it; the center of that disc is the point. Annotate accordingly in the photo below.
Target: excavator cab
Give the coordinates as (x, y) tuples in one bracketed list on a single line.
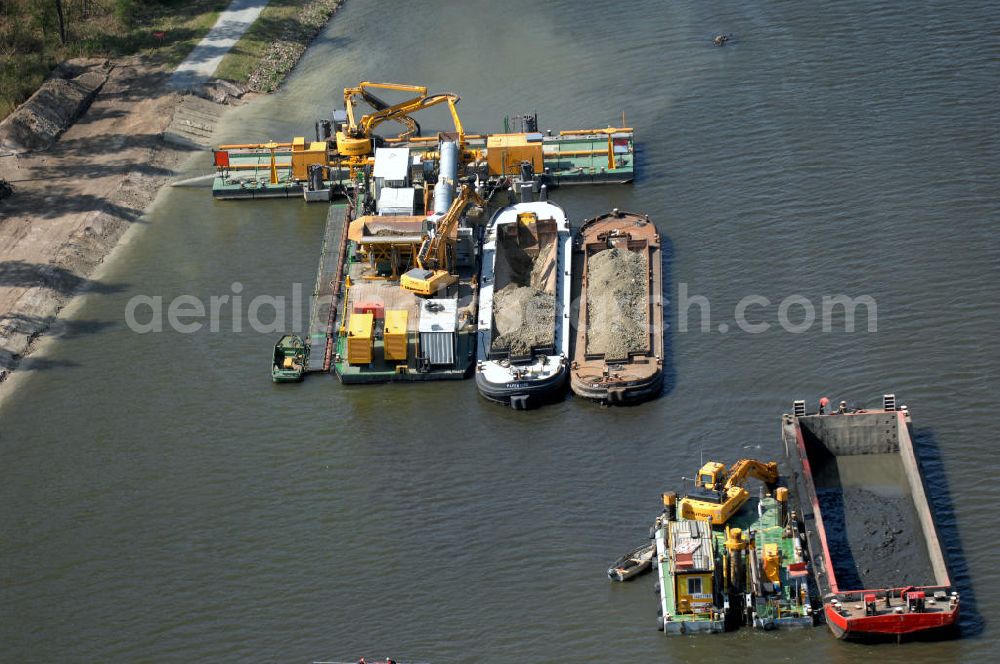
[(712, 476), (709, 484)]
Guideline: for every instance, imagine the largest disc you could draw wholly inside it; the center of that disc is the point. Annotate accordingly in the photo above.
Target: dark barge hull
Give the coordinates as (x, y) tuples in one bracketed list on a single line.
[(524, 395), (620, 394), (882, 613)]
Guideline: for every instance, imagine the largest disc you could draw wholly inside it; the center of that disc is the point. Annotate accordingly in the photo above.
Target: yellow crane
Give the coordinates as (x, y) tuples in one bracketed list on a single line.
[(432, 271), (354, 140), (719, 494)]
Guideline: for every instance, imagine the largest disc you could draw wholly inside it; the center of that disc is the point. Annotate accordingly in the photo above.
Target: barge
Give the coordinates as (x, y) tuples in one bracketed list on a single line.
[(726, 558), (281, 170), (409, 278), (523, 330), (397, 297), (877, 559), (290, 356), (618, 357)]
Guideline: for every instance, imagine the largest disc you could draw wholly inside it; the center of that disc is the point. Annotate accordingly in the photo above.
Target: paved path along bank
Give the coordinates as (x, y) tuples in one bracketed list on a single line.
[(201, 63)]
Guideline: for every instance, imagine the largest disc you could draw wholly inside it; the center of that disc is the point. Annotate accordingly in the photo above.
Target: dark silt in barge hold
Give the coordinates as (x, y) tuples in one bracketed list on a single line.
[(876, 556)]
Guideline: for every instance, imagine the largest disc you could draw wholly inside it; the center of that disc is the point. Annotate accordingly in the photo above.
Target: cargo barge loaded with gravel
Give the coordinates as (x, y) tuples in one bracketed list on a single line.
[(618, 357), (876, 556), (523, 331)]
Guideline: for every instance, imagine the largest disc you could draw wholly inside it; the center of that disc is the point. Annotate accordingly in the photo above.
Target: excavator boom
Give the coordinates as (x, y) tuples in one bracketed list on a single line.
[(765, 472), (704, 506), (355, 140), (432, 270)]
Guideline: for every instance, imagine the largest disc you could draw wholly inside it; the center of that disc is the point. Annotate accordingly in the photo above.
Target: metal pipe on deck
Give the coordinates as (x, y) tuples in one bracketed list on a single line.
[(444, 190)]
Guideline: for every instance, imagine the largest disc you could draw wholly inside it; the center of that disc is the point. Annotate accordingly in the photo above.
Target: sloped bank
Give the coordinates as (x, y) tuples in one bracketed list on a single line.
[(71, 239)]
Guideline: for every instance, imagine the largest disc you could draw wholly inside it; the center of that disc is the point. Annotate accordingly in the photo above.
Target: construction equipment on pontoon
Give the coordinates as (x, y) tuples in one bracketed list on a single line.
[(718, 494), (356, 140), (433, 265)]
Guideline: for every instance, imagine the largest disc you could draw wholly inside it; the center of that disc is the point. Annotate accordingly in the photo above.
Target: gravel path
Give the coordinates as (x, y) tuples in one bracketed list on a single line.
[(201, 63)]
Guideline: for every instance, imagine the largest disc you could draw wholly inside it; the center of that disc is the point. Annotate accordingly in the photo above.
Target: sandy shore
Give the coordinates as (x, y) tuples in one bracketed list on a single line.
[(75, 200)]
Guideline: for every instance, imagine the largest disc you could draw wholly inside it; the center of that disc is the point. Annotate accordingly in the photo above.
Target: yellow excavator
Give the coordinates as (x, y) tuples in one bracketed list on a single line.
[(718, 494), (355, 138), (432, 271)]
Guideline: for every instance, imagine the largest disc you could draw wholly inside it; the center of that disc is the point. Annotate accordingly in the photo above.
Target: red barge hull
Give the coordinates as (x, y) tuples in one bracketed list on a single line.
[(875, 551)]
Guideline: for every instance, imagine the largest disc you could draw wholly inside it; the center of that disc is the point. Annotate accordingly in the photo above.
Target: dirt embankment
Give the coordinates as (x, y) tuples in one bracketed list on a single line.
[(122, 134), (524, 311), (617, 303), (75, 199), (61, 99)]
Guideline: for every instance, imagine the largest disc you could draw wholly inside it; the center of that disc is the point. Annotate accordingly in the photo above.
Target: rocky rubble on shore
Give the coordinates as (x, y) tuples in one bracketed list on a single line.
[(61, 99), (284, 53)]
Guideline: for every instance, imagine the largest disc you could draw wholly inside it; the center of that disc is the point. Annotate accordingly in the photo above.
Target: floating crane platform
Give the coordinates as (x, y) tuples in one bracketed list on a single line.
[(266, 170)]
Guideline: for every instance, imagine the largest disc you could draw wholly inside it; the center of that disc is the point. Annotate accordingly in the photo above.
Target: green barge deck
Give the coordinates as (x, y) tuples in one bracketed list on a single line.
[(568, 160), (784, 604)]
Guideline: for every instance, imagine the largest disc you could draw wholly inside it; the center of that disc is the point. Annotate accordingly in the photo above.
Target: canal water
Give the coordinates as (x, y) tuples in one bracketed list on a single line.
[(163, 501)]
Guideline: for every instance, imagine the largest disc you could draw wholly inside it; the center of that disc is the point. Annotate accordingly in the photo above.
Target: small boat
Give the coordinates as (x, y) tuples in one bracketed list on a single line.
[(632, 564), (289, 361), (524, 328), (618, 357), (877, 557)]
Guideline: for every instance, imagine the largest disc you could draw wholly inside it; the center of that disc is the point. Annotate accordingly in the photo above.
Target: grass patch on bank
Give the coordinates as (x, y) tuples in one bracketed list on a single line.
[(270, 26), (31, 42), (271, 47)]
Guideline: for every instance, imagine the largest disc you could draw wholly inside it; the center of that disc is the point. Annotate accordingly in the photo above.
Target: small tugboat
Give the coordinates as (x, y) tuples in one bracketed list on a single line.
[(619, 333), (289, 361), (725, 558), (876, 555), (632, 564), (523, 330)]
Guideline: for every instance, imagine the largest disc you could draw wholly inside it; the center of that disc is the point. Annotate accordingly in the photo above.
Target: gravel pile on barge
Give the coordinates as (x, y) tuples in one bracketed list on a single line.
[(617, 299), (525, 318), (524, 309)]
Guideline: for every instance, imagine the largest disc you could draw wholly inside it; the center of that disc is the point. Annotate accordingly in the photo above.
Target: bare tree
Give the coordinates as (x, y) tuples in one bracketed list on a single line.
[(62, 21)]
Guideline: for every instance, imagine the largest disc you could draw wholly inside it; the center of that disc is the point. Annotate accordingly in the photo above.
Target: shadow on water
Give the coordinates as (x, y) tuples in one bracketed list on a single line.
[(33, 326), (931, 466), (666, 267)]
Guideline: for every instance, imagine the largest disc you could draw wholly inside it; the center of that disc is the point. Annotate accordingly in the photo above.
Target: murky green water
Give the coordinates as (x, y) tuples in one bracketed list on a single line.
[(162, 500)]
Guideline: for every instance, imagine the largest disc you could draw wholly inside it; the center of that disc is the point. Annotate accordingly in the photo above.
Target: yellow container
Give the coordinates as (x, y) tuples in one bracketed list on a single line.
[(772, 562), (303, 157), (360, 337), (395, 334), (505, 152)]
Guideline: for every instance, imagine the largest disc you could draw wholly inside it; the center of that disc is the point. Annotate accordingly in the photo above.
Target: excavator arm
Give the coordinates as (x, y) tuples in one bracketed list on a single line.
[(362, 91), (431, 254), (733, 495), (744, 468), (432, 271), (356, 138)]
